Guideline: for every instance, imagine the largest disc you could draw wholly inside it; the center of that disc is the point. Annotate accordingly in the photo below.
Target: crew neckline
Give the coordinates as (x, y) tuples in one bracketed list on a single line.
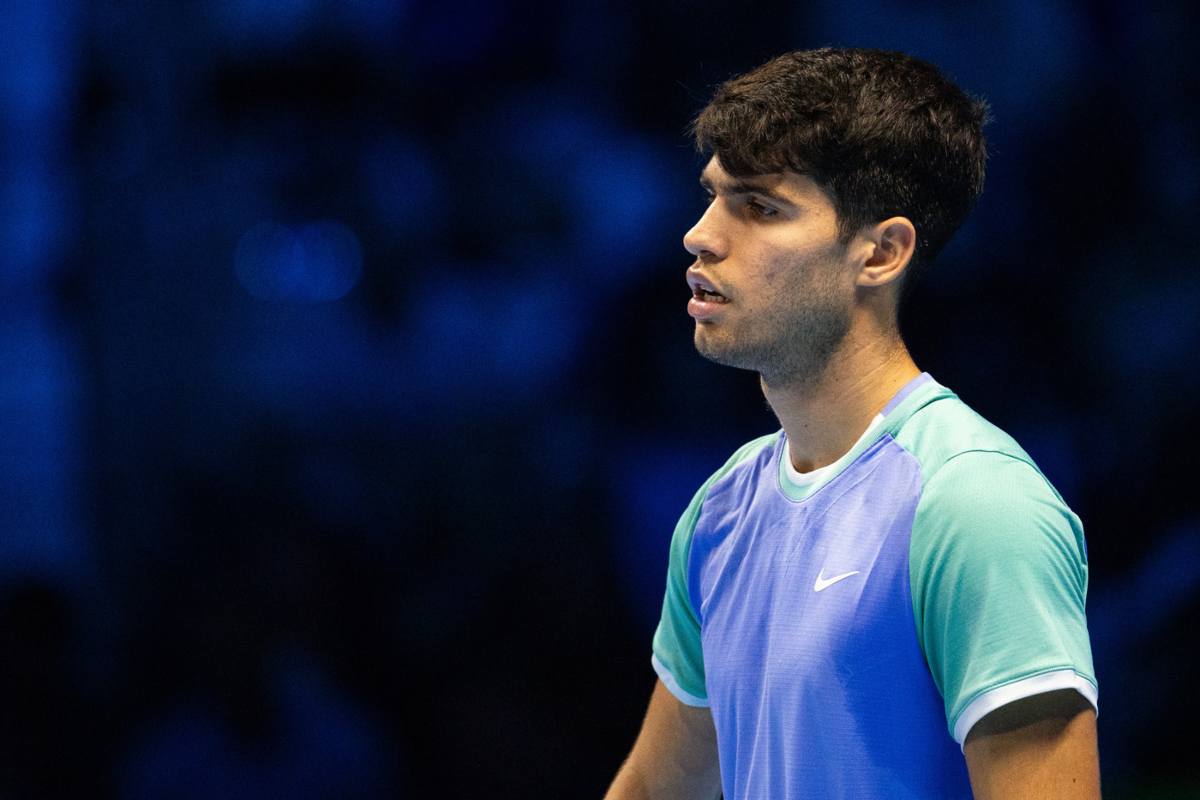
[(798, 486), (813, 475)]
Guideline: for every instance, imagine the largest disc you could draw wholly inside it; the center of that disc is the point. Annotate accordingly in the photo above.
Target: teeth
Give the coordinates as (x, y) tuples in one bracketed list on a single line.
[(709, 296)]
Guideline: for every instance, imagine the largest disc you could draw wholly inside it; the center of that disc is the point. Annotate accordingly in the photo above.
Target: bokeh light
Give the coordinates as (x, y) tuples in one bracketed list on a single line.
[(313, 263)]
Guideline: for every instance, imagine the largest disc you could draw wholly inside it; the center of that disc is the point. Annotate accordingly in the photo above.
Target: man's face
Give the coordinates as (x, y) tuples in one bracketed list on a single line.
[(767, 246)]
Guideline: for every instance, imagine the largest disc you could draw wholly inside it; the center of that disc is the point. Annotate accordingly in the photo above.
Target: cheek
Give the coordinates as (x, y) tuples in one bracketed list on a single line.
[(794, 268), (779, 265)]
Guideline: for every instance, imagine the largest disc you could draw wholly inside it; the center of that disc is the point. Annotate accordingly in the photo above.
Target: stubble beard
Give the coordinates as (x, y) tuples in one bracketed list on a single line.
[(791, 346)]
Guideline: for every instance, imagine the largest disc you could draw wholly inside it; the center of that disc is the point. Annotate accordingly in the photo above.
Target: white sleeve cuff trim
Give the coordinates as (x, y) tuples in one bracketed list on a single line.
[(672, 685), (1003, 695)]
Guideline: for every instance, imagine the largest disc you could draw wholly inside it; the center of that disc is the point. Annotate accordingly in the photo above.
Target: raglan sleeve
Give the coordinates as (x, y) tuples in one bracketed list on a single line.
[(999, 577), (676, 654)]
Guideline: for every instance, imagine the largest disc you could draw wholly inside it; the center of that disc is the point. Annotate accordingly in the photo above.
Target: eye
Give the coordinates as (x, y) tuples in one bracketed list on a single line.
[(760, 209), (707, 197)]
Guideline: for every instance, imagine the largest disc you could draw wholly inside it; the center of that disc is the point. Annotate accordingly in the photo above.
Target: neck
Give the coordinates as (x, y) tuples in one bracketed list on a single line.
[(824, 416)]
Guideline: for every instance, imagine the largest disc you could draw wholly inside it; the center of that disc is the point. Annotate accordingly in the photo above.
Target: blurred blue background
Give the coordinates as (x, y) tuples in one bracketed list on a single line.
[(348, 397)]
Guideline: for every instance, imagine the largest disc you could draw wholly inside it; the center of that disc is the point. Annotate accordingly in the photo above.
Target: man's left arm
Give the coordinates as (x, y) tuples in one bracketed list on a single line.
[(1042, 746), (999, 577)]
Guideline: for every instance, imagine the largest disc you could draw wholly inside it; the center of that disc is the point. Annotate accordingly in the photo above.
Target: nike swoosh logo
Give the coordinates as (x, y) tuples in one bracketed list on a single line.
[(824, 583)]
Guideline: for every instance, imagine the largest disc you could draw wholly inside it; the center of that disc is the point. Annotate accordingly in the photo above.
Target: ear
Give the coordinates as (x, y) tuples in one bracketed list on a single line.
[(891, 244)]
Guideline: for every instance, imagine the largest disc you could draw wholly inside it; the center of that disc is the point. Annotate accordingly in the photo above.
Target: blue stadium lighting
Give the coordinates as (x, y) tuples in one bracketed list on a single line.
[(314, 263)]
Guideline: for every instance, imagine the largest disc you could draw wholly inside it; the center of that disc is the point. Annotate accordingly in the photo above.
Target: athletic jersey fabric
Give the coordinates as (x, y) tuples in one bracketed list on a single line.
[(839, 623)]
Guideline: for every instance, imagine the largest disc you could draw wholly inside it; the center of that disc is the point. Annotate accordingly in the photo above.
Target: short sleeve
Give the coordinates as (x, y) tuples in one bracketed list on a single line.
[(999, 578), (677, 657)]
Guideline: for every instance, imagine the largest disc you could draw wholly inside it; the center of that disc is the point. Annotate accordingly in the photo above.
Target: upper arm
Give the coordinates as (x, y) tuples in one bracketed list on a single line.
[(1038, 747), (676, 652), (675, 755), (999, 581)]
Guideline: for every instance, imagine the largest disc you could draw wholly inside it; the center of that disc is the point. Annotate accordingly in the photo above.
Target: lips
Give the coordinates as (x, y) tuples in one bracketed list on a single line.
[(704, 289), (707, 301)]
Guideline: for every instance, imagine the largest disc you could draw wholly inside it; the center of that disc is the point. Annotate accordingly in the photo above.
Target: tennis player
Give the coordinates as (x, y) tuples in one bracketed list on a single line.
[(884, 599)]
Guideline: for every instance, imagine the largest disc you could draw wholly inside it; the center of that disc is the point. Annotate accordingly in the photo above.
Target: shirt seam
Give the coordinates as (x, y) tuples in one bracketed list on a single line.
[(749, 455), (1013, 456)]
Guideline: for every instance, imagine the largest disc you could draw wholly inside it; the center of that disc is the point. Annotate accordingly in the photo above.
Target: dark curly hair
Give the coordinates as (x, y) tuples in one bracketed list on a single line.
[(882, 133)]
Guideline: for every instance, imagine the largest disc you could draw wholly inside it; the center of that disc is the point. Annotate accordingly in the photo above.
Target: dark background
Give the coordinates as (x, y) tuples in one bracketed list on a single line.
[(347, 396)]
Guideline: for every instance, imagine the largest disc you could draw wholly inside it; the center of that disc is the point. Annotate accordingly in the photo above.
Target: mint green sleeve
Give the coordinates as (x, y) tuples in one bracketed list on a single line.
[(998, 568), (677, 657)]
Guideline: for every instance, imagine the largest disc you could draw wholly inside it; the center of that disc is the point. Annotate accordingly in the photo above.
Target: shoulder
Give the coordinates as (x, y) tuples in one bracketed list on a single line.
[(995, 502), (972, 471), (749, 459), (984, 504), (741, 468), (948, 429), (750, 450)]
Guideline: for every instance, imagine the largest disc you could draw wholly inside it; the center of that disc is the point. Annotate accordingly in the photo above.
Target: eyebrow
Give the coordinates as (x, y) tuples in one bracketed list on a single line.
[(744, 186)]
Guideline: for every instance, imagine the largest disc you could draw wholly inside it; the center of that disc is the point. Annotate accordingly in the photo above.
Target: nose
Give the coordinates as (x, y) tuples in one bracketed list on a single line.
[(705, 240)]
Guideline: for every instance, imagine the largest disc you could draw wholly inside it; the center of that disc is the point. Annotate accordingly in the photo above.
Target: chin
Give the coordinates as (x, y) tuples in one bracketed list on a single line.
[(723, 353)]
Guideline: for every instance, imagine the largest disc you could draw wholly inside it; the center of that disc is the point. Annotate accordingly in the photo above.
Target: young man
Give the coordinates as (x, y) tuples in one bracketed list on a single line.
[(886, 598)]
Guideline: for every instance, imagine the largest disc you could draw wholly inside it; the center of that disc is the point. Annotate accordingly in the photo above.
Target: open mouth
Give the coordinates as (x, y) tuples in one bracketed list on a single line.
[(706, 296)]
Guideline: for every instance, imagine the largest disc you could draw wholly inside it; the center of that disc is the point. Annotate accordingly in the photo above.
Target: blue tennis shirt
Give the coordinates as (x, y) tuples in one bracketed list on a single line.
[(848, 626)]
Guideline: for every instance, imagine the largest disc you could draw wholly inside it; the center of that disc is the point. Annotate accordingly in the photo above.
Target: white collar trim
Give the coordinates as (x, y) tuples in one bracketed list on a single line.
[(808, 478)]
